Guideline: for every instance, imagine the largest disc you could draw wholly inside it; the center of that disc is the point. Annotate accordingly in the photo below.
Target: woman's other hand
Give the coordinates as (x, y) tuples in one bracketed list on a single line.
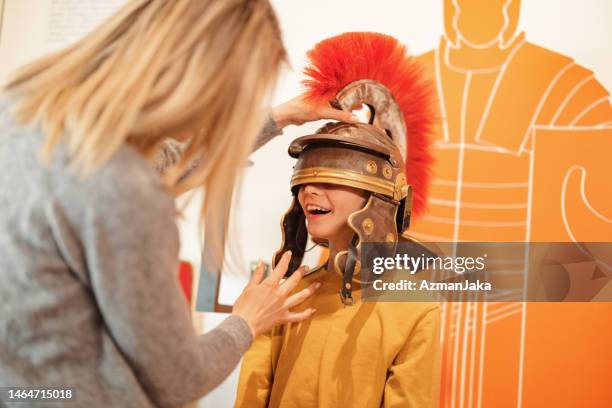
[(297, 112), (265, 303)]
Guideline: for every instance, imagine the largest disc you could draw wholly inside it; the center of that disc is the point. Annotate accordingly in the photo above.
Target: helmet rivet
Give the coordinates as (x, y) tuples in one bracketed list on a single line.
[(348, 285), (368, 226), (316, 173), (371, 167), (387, 172)]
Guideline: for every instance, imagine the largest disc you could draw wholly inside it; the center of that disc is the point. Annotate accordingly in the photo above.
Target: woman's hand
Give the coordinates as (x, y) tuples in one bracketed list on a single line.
[(297, 112), (265, 303)]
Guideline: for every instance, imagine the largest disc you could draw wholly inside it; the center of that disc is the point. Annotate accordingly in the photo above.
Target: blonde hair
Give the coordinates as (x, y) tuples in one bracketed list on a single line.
[(158, 68)]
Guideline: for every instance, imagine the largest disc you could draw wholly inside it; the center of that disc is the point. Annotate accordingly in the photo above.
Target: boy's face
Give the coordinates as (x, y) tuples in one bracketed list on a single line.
[(327, 208)]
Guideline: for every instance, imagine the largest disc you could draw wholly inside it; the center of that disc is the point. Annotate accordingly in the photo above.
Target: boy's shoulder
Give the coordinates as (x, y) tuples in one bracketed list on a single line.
[(409, 314)]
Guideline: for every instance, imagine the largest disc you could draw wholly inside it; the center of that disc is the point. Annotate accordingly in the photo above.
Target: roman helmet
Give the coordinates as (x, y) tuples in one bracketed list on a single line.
[(388, 157)]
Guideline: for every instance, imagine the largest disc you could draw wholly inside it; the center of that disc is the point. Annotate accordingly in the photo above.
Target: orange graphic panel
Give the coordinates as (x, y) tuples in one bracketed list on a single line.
[(496, 90)]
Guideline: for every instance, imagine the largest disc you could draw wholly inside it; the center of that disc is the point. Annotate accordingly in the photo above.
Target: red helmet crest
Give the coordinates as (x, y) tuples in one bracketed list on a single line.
[(346, 58)]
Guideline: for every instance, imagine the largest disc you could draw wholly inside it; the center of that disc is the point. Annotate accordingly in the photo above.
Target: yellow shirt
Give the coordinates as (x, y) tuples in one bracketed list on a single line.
[(370, 354)]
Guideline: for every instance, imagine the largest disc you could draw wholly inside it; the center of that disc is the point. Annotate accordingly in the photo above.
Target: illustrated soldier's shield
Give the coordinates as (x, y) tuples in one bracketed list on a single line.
[(571, 190), (571, 200)]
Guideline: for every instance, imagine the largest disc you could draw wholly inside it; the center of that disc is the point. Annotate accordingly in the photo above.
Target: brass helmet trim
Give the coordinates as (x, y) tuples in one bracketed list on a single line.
[(343, 177)]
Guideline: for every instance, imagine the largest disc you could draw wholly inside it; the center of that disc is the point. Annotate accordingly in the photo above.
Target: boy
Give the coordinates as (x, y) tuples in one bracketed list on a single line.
[(349, 187)]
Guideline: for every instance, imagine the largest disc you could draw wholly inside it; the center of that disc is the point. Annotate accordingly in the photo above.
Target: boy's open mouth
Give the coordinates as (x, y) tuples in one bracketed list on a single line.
[(316, 210)]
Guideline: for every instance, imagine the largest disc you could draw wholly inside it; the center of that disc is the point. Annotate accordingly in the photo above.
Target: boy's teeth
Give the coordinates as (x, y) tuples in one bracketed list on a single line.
[(317, 210)]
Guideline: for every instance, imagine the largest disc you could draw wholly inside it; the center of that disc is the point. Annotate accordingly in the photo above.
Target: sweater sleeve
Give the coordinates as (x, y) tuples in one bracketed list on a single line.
[(172, 150), (413, 378), (131, 245)]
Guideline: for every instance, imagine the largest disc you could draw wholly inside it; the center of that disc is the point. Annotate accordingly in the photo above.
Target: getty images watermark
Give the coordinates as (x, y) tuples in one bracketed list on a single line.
[(486, 271), (413, 264)]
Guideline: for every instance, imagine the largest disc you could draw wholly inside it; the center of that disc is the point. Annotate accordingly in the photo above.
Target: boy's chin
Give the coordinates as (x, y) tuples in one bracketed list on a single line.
[(319, 241), (318, 237), (321, 235)]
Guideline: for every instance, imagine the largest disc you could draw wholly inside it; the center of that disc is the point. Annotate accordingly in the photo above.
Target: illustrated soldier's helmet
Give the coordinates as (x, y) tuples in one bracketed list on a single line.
[(388, 157)]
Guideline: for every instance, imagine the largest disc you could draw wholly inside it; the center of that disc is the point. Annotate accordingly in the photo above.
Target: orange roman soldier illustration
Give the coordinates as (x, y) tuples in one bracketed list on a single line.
[(503, 104)]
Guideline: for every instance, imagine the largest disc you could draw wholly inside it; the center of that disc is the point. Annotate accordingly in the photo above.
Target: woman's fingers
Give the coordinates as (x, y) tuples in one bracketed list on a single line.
[(265, 303), (298, 111), (327, 112), (258, 274), (291, 282), (299, 316), (302, 295), (281, 268)]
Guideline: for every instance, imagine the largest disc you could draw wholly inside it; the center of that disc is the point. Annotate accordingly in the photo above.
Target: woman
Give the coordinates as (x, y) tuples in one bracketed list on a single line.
[(89, 246)]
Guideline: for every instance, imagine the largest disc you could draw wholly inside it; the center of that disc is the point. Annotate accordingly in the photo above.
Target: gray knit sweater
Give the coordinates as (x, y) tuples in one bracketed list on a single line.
[(89, 296)]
